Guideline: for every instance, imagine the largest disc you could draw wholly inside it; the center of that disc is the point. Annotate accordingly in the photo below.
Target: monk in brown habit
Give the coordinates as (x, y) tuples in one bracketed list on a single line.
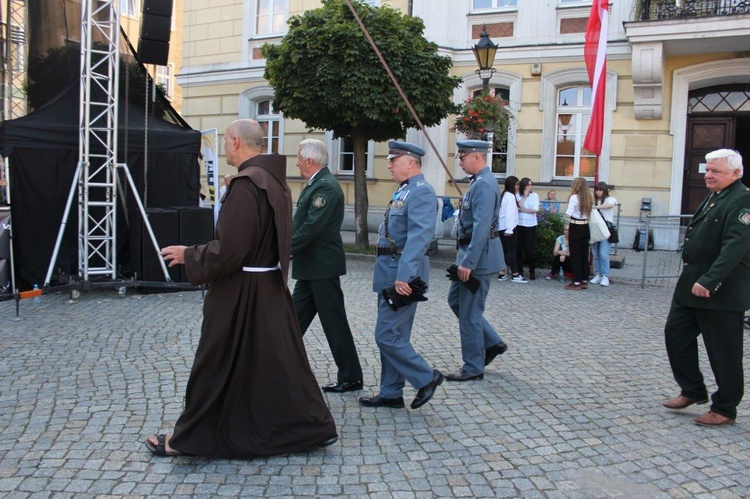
[(251, 391)]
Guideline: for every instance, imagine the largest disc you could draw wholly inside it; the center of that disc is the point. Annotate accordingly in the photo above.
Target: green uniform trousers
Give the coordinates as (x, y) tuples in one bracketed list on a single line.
[(723, 335), (325, 298)]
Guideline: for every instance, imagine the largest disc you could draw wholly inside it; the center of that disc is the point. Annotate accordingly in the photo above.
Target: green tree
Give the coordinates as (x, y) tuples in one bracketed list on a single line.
[(325, 73)]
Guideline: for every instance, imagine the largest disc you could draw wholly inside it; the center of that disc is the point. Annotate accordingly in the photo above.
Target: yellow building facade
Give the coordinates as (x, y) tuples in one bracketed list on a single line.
[(668, 65)]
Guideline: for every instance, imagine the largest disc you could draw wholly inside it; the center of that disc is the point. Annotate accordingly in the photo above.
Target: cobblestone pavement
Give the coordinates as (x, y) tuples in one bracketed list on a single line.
[(571, 410)]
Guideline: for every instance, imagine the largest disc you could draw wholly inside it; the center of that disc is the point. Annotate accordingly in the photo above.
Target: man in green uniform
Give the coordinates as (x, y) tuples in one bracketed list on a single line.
[(713, 293), (319, 261)]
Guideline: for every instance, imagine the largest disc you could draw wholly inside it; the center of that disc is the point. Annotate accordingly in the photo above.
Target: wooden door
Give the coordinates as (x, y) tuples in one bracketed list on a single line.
[(705, 134)]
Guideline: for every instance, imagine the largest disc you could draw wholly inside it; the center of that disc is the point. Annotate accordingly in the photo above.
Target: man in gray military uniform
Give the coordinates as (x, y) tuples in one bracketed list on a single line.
[(405, 234), (480, 257), (712, 294)]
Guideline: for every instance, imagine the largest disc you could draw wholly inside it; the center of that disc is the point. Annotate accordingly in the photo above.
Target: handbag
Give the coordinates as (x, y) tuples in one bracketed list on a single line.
[(598, 230), (613, 236)]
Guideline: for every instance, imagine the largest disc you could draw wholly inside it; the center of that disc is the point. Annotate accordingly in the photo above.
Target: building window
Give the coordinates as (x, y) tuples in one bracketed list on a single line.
[(271, 16), (499, 151), (572, 117), (129, 7), (165, 77), (493, 4), (269, 121), (372, 3), (341, 153)]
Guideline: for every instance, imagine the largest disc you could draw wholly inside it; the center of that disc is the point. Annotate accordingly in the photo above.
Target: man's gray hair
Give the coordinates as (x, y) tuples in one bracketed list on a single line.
[(733, 158), (315, 150)]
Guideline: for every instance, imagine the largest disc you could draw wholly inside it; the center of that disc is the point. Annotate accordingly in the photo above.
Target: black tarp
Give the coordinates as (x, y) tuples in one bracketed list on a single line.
[(42, 148)]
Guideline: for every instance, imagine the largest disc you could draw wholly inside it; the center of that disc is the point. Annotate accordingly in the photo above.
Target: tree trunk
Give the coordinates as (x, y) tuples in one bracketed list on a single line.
[(359, 143)]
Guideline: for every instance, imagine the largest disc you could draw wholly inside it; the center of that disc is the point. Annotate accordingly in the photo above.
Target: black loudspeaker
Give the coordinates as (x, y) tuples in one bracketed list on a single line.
[(196, 226), (157, 7), (152, 52), (144, 259), (156, 29)]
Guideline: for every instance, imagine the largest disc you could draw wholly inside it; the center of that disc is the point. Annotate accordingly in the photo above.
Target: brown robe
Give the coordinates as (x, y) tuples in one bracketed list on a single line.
[(251, 391)]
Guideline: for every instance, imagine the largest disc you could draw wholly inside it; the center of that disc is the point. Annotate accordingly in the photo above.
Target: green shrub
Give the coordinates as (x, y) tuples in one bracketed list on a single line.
[(550, 227)]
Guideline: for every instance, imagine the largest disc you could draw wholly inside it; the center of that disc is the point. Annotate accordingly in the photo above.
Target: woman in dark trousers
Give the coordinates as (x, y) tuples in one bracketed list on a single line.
[(528, 207), (578, 212), (506, 224)]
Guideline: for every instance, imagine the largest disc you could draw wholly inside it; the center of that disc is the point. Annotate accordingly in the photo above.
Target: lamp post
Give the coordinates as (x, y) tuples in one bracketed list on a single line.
[(484, 51)]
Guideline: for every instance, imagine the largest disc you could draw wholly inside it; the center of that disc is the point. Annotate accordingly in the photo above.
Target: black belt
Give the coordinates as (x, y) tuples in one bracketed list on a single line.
[(463, 241), (381, 251)]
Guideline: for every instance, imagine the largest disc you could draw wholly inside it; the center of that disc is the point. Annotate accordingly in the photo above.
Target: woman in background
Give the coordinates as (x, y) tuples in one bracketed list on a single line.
[(551, 204), (578, 212), (528, 207), (506, 224), (606, 206)]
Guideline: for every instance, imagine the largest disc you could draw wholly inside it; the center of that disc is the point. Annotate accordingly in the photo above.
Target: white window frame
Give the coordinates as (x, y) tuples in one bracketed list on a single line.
[(549, 85), (495, 5), (135, 4), (580, 111), (249, 100), (255, 19), (334, 157), (500, 78), (167, 79)]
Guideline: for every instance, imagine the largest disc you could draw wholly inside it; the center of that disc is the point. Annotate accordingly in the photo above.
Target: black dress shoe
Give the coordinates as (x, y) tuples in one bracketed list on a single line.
[(378, 401), (462, 375), (493, 351), (426, 392), (344, 386)]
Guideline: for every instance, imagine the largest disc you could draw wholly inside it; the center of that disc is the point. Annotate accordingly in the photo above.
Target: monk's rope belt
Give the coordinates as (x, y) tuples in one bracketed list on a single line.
[(262, 269)]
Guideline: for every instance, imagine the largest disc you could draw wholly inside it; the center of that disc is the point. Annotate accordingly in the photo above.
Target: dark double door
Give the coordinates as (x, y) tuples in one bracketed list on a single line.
[(706, 133)]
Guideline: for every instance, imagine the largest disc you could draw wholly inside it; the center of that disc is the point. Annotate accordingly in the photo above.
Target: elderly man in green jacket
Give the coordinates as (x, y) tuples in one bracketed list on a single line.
[(318, 261), (713, 293)]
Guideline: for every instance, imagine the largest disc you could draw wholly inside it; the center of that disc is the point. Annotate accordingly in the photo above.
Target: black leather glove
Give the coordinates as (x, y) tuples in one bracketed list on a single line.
[(472, 283), (396, 301)]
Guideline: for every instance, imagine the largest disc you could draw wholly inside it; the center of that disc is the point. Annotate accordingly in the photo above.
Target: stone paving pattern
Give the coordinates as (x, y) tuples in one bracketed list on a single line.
[(571, 410)]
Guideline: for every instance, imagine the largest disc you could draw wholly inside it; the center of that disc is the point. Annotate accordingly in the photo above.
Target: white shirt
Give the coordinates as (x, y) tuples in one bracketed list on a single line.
[(574, 209), (531, 203), (508, 215), (609, 213)]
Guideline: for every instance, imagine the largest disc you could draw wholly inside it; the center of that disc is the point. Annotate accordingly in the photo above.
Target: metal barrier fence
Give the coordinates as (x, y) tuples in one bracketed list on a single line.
[(560, 207), (667, 218)]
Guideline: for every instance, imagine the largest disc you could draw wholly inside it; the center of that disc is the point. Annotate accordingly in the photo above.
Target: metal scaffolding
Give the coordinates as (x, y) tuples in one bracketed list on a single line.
[(14, 62), (97, 150)]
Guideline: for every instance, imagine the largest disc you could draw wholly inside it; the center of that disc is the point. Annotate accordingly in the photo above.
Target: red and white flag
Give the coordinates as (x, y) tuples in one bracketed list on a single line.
[(595, 54)]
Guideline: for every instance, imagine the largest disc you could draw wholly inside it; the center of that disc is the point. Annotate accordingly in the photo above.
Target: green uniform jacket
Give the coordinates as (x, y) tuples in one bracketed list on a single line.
[(716, 253), (317, 250)]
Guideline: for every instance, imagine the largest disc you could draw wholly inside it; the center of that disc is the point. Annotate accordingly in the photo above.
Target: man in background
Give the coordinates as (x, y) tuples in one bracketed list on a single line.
[(712, 294)]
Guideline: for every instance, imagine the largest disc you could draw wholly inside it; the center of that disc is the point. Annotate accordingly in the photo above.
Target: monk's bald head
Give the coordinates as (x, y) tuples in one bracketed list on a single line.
[(248, 131)]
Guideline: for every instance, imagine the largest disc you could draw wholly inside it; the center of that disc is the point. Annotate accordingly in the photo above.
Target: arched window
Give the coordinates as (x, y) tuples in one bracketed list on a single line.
[(269, 121), (572, 118), (257, 104), (500, 150)]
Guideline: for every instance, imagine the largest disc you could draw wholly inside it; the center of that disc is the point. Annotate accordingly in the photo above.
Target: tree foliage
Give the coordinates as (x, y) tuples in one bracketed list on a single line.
[(325, 73)]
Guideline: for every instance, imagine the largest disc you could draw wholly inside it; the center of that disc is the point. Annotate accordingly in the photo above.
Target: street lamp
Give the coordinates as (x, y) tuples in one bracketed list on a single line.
[(484, 51)]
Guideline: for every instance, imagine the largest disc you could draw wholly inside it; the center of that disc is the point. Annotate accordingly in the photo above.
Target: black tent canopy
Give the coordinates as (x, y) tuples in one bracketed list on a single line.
[(42, 148)]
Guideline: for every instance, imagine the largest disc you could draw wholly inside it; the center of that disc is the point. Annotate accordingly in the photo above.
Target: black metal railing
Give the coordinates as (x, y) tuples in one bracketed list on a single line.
[(658, 10)]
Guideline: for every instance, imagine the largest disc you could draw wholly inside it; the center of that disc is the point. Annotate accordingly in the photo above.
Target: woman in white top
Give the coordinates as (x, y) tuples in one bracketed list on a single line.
[(528, 207), (606, 206), (578, 212), (506, 224)]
